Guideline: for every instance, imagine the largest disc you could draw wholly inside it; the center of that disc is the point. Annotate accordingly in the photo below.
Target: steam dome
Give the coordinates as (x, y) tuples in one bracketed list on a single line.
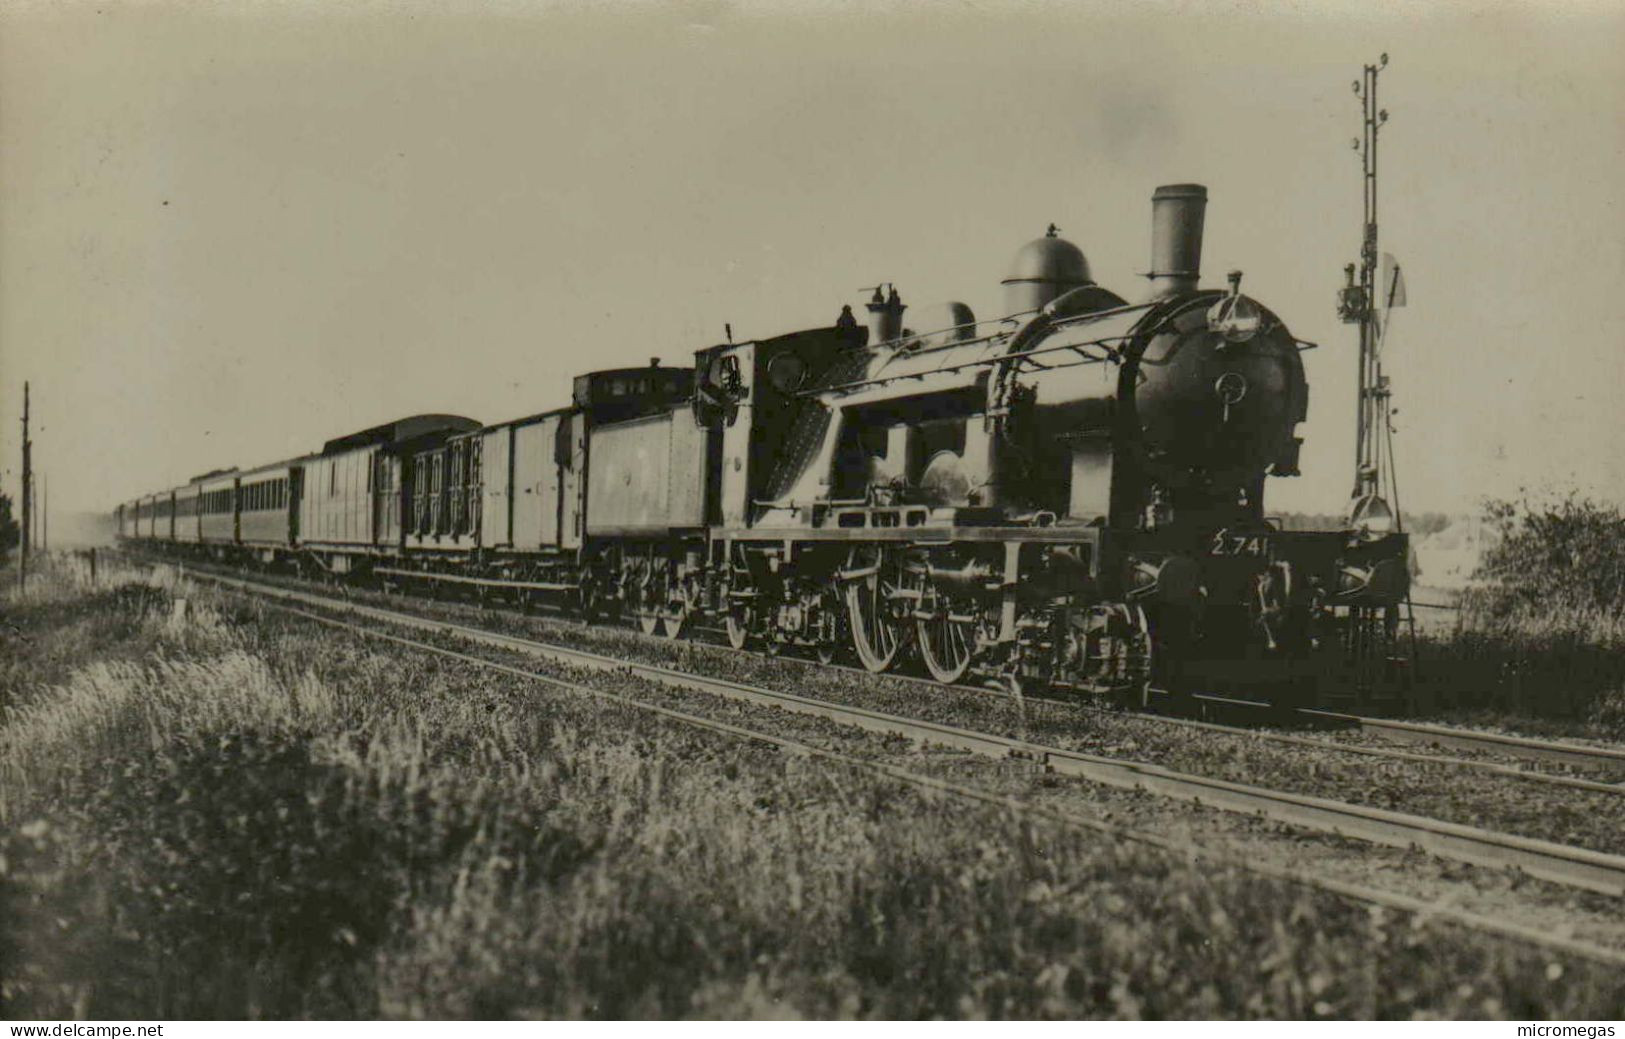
[(1043, 269)]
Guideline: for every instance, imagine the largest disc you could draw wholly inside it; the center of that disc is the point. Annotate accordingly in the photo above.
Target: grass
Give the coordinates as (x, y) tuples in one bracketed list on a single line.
[(1539, 643), (238, 815)]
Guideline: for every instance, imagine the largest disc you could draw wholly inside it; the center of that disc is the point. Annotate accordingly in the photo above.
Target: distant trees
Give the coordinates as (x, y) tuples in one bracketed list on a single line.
[(1426, 522), (1418, 523)]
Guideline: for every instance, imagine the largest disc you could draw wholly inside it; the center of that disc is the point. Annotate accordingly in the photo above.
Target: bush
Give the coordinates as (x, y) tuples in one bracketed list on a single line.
[(1543, 632), (1561, 563)]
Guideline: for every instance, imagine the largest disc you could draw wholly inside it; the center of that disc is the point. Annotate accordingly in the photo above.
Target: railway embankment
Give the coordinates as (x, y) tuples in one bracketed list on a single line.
[(1339, 766), (298, 823)]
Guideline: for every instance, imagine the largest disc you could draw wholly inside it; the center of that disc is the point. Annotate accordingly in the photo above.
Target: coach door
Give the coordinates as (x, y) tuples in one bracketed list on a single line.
[(296, 496), (570, 452), (386, 499), (535, 485), (496, 469)]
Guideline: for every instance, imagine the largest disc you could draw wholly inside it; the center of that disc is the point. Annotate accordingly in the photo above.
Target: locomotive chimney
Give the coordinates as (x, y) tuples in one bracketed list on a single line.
[(1177, 212), (885, 316)]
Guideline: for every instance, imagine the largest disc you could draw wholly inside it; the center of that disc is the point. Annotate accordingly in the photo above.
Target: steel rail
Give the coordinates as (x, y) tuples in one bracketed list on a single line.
[(1524, 747), (1192, 853), (1563, 864), (1495, 768)]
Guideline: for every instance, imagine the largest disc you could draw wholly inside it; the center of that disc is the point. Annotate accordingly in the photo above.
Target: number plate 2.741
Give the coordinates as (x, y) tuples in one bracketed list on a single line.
[(1228, 544)]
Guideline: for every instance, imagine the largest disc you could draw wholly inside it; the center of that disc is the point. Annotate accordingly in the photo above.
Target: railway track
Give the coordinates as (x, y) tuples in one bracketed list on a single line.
[(1571, 755), (1520, 748), (1428, 909), (1562, 864), (1524, 747)]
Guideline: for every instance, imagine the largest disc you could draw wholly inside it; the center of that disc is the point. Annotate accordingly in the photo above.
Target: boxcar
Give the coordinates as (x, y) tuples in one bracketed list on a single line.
[(337, 505), (534, 472)]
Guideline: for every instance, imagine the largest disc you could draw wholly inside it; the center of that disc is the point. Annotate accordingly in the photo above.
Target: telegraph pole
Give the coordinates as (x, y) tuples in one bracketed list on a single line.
[(1357, 303), (27, 503)]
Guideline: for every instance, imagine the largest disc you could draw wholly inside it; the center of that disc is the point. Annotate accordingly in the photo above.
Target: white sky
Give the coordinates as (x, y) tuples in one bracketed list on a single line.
[(230, 232)]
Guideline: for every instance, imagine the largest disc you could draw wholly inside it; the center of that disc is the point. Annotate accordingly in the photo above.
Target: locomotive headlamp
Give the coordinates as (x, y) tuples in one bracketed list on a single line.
[(1235, 317)]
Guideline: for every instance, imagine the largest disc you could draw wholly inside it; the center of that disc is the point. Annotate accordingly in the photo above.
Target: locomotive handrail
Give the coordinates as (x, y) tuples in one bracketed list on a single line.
[(1112, 355), (1010, 319), (1095, 315)]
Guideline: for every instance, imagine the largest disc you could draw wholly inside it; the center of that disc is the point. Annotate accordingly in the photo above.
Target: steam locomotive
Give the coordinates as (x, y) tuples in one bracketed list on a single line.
[(1069, 496)]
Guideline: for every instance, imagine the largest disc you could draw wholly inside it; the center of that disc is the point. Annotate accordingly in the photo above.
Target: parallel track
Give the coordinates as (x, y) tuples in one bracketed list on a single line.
[(1432, 735), (1562, 864), (1422, 908)]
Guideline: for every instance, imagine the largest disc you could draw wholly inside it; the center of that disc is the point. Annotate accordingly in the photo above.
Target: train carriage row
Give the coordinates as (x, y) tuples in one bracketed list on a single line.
[(445, 487)]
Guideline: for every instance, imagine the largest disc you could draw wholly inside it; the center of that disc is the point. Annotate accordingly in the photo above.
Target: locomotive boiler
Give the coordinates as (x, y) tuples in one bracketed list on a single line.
[(1071, 494)]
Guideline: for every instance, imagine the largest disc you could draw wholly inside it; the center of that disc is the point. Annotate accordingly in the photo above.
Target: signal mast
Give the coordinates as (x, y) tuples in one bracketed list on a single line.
[(1369, 508)]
